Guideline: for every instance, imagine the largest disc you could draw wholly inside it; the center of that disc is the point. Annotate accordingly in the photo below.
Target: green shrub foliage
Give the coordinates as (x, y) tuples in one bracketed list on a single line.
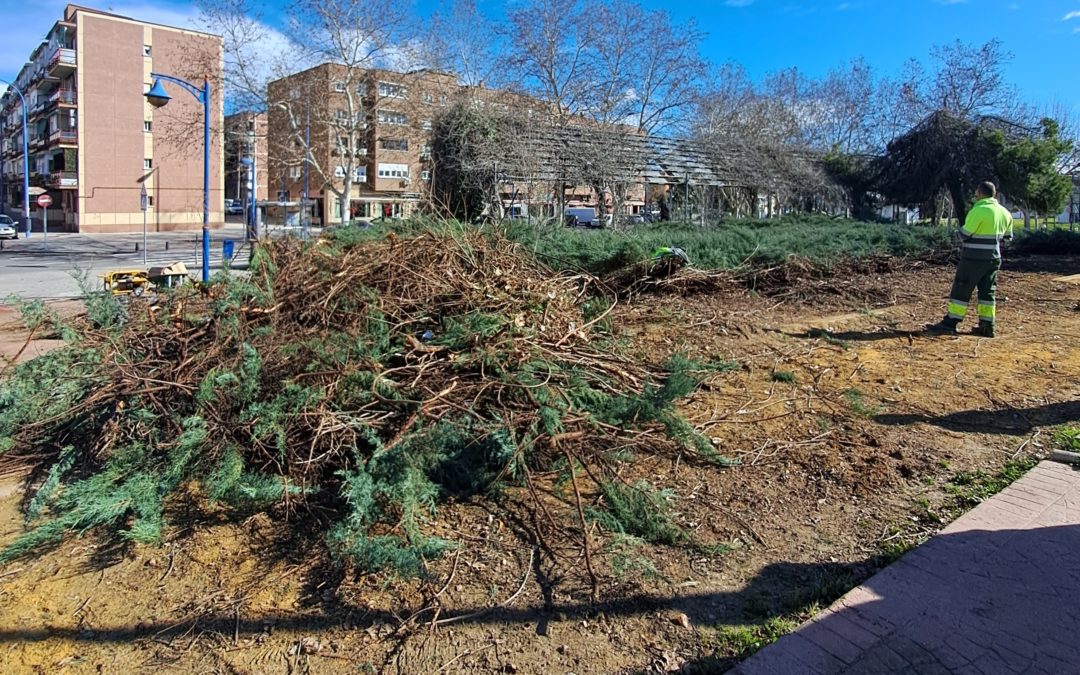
[(377, 374)]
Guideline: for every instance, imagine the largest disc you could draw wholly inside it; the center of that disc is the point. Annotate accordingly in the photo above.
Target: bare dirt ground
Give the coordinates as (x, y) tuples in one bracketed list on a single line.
[(849, 432)]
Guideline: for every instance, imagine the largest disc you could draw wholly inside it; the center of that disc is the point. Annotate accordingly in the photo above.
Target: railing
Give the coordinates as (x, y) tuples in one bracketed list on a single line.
[(65, 96), (62, 57), (64, 179), (64, 136)]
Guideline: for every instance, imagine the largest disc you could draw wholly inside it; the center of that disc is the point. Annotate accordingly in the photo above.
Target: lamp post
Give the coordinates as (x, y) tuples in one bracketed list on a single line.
[(157, 97), (26, 158), (250, 229)]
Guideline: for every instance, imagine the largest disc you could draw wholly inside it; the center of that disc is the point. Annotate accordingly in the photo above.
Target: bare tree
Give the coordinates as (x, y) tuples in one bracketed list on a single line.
[(353, 37), (461, 40)]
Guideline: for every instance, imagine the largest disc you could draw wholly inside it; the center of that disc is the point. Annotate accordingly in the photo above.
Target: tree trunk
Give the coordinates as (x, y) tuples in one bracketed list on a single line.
[(959, 205)]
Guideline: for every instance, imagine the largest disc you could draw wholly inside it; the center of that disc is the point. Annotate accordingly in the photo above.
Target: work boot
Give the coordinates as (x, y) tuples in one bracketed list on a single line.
[(946, 326), (984, 329)]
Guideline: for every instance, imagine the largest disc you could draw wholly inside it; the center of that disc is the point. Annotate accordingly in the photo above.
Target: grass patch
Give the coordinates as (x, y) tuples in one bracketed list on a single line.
[(784, 376), (828, 337), (970, 488), (1067, 438), (856, 400), (771, 620)]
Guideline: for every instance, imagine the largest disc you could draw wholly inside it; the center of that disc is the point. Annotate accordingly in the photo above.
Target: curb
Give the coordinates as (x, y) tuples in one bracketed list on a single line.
[(1065, 457)]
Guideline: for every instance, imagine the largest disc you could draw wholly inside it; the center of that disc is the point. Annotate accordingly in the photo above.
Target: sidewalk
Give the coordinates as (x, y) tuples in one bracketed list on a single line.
[(998, 591)]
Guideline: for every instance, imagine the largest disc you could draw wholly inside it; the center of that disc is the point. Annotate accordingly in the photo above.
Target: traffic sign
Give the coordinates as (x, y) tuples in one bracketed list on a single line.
[(35, 191), (142, 199), (44, 201)]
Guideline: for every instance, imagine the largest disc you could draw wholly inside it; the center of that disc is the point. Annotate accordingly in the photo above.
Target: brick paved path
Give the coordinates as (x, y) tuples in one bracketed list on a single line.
[(998, 591)]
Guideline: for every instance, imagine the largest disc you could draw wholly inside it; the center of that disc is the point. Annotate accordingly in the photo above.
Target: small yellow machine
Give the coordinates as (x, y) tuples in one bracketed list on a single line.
[(136, 282), (126, 282)]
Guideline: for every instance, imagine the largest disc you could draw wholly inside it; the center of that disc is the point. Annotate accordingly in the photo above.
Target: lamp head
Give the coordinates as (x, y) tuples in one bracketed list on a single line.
[(157, 96)]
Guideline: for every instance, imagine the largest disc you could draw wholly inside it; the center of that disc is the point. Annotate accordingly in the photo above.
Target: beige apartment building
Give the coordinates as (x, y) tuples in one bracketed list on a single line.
[(93, 135)]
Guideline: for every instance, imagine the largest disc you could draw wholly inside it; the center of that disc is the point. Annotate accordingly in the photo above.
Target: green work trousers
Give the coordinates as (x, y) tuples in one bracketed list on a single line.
[(972, 274)]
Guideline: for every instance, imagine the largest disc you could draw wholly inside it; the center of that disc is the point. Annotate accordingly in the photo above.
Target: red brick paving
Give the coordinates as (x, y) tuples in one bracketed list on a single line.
[(997, 591)]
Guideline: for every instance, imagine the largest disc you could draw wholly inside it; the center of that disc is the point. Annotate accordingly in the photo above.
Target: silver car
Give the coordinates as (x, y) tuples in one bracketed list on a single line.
[(7, 228)]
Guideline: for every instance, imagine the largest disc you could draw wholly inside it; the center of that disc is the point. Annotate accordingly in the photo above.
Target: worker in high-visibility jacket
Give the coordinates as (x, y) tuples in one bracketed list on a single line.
[(988, 223)]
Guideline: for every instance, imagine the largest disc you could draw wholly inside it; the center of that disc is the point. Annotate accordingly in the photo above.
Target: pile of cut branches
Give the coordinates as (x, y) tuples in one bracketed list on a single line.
[(373, 379)]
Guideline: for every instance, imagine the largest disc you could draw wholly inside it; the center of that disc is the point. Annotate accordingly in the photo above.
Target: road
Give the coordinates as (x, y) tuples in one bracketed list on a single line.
[(34, 268)]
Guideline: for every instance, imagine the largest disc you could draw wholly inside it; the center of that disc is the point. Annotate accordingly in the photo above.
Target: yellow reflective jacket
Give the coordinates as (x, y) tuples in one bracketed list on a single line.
[(987, 223)]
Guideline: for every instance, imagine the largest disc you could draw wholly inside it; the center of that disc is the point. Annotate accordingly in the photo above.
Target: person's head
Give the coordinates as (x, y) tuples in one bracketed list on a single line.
[(985, 189)]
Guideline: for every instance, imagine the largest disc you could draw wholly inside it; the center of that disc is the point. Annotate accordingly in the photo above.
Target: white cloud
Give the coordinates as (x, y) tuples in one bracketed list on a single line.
[(34, 20), (1075, 14)]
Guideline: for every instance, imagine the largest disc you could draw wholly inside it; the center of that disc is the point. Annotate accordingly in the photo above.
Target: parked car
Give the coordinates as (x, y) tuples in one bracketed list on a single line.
[(233, 208), (635, 219), (8, 228), (584, 216)]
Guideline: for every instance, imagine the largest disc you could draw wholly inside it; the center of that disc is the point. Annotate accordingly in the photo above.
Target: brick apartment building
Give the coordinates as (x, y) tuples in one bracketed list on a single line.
[(392, 167), (245, 136), (390, 124), (93, 135)]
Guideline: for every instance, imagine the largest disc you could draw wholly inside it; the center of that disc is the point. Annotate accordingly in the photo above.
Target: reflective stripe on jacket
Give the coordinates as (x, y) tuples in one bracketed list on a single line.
[(987, 223)]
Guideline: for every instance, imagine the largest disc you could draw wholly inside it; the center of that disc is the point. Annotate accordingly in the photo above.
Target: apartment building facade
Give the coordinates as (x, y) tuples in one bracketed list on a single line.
[(93, 135), (372, 124)]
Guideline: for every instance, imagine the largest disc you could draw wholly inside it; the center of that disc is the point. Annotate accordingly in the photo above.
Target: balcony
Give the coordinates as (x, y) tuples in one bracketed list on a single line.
[(64, 180), (64, 137), (61, 62), (62, 97)]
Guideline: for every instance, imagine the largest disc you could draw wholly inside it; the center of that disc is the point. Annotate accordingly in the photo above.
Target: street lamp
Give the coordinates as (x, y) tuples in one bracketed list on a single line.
[(158, 97), (26, 158), (250, 229)]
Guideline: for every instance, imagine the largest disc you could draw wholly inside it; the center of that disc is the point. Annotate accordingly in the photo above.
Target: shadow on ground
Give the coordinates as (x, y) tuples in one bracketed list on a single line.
[(1009, 421)]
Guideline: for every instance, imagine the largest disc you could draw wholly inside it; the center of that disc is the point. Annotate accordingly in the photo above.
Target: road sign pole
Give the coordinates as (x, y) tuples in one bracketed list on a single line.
[(44, 201)]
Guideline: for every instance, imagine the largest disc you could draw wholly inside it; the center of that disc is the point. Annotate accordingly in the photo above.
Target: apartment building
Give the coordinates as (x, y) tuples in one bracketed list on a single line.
[(93, 135), (246, 138), (373, 124)]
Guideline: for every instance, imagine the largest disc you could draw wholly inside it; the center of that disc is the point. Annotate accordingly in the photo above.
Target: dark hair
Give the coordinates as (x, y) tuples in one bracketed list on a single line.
[(987, 188)]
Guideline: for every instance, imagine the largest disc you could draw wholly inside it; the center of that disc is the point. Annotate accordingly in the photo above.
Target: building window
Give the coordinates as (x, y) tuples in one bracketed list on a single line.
[(339, 87), (443, 100), (425, 175), (339, 171), (426, 125), (425, 151), (395, 118), (393, 144), (361, 89), (147, 126), (146, 50), (392, 90), (393, 170), (294, 172), (149, 200), (428, 97), (147, 164), (360, 174)]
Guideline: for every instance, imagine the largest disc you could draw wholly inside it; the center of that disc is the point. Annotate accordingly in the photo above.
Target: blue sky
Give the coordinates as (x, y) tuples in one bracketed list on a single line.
[(763, 35)]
